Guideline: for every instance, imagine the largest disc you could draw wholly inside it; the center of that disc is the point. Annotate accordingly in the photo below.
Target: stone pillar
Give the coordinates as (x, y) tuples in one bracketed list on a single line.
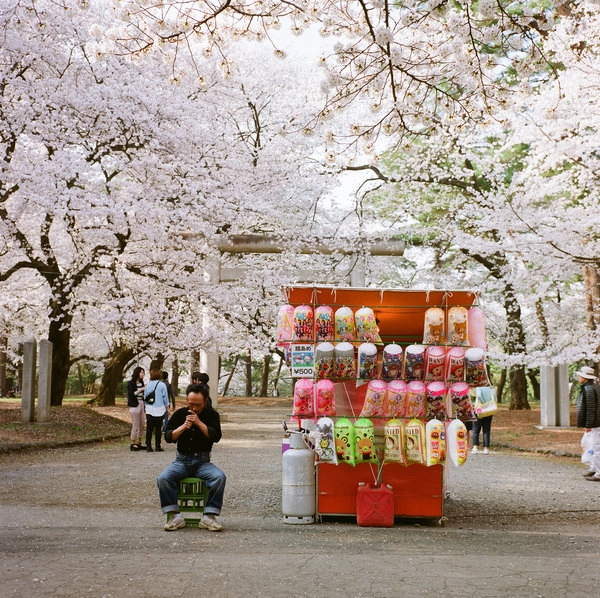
[(554, 396), (358, 272), (28, 389), (44, 381), (209, 360)]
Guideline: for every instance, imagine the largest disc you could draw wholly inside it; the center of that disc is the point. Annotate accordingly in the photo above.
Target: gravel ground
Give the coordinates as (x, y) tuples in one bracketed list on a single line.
[(85, 521)]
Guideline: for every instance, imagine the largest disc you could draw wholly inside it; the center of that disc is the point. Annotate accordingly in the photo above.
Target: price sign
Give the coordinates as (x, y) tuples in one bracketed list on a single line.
[(303, 361)]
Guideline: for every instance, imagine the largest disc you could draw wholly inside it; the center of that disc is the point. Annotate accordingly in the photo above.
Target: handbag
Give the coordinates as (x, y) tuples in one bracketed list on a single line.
[(485, 403), (151, 396)]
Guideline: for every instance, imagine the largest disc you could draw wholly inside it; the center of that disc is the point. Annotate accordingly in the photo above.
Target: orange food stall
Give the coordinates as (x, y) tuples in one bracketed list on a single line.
[(418, 489)]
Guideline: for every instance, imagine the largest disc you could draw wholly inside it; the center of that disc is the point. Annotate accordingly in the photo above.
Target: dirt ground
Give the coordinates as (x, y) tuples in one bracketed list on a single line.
[(84, 520)]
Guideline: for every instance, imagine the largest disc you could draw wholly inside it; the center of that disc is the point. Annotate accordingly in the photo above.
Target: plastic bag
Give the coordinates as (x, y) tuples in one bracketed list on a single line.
[(374, 404), (458, 326), (367, 361), (345, 330), (587, 448), (304, 401), (394, 441), (325, 398), (364, 441), (435, 435), (344, 441), (433, 332), (324, 441), (395, 403), (414, 362), (304, 324), (324, 324), (456, 442), (392, 362), (414, 435), (366, 326)]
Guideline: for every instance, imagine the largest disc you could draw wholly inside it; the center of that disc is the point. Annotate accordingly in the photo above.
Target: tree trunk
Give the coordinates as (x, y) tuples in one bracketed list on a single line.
[(80, 379), (113, 374), (501, 384), (248, 361), (533, 375), (264, 381), (3, 348), (591, 280), (277, 374), (518, 388), (230, 376), (175, 376), (59, 334), (515, 344), (194, 362)]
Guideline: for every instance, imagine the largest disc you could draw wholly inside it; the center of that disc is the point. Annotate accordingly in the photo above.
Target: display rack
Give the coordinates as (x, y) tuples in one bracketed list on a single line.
[(418, 490)]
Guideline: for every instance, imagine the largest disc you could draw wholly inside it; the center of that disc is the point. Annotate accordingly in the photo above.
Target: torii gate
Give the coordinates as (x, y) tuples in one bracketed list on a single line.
[(209, 361)]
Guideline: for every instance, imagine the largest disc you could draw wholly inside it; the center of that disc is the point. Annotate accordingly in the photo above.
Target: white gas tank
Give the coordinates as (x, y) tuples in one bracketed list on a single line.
[(298, 482)]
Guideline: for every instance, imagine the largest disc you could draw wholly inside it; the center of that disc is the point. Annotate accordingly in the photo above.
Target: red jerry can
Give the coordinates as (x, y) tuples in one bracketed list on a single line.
[(374, 505)]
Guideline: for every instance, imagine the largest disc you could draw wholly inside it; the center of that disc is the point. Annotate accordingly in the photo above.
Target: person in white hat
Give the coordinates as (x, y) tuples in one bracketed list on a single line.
[(588, 417)]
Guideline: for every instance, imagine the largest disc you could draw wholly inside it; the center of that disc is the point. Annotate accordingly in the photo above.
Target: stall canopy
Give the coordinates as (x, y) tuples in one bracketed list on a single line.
[(400, 313)]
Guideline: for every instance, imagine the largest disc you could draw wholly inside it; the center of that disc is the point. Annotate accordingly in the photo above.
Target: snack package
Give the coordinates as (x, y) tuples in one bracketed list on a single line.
[(325, 398), (345, 330), (475, 371), (457, 326), (366, 326), (455, 364), (394, 441), (392, 362), (364, 441), (324, 324), (476, 328), (462, 408), (367, 361), (325, 361), (304, 401), (345, 368), (395, 402), (414, 362), (344, 441), (324, 441), (456, 442), (374, 404), (435, 358), (304, 324), (433, 333), (285, 325), (414, 439), (435, 434), (436, 400), (416, 399)]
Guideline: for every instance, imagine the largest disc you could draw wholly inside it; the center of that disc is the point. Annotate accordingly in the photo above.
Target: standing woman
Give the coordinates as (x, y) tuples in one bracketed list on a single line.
[(135, 402), (156, 410)]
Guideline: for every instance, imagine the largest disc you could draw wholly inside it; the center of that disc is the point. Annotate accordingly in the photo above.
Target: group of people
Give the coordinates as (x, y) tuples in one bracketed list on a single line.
[(154, 415), (194, 428)]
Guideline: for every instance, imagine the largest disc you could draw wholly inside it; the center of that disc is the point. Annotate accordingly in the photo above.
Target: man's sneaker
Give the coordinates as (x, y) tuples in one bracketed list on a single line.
[(486, 451), (176, 522), (210, 522), (593, 478), (589, 474), (474, 450)]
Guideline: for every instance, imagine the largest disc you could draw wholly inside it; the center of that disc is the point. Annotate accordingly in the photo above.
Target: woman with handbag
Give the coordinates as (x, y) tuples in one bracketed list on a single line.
[(135, 402), (156, 399), (486, 400)]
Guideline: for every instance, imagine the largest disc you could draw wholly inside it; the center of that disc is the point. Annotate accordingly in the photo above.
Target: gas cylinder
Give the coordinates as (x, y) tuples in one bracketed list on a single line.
[(298, 481)]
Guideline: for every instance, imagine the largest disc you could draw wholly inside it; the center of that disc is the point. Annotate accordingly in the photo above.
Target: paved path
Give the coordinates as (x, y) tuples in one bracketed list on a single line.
[(85, 522)]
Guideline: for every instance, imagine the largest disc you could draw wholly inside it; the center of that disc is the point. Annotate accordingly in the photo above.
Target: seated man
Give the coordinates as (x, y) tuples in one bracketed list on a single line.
[(194, 428)]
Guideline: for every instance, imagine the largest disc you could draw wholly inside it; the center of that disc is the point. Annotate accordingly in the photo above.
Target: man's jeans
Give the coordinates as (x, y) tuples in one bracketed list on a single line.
[(197, 466)]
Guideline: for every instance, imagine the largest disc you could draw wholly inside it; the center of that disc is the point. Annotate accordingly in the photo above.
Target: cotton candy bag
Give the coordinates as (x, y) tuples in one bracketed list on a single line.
[(391, 362), (456, 442), (395, 403), (304, 324), (325, 441), (457, 326), (366, 326), (364, 441), (325, 398), (345, 328), (416, 399), (394, 441), (435, 442), (374, 403), (304, 402), (367, 361), (324, 324), (344, 441), (433, 332), (414, 437)]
